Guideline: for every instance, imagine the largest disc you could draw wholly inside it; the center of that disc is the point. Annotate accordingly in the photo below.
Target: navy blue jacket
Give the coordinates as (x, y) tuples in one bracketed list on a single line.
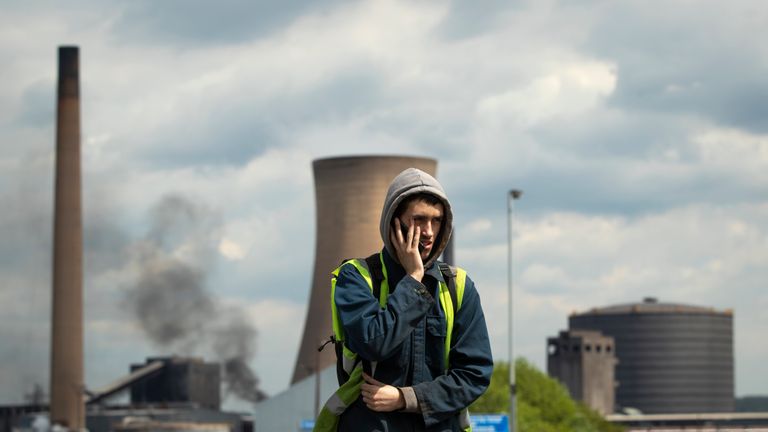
[(407, 339)]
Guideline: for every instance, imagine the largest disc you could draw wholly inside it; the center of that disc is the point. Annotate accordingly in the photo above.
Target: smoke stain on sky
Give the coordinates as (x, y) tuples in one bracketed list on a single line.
[(170, 300)]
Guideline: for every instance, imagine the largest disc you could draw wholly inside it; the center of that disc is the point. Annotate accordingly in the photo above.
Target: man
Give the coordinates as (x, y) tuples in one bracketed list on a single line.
[(416, 381)]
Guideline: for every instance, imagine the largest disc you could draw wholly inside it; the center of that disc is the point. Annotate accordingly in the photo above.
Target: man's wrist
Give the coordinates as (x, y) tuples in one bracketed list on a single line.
[(417, 275), (400, 399)]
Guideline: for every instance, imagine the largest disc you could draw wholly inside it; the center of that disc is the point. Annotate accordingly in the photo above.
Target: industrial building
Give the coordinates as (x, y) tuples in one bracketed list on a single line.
[(178, 380), (672, 358), (702, 422), (584, 362), (166, 393)]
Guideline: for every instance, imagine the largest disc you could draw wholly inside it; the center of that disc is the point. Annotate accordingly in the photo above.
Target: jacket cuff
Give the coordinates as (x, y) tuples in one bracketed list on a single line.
[(411, 403), (419, 288)]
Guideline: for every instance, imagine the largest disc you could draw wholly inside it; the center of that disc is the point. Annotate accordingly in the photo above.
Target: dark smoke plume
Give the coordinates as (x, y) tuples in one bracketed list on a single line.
[(172, 304), (233, 342)]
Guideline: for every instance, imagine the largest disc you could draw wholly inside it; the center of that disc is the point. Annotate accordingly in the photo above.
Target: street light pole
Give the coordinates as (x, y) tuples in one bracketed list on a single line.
[(513, 195)]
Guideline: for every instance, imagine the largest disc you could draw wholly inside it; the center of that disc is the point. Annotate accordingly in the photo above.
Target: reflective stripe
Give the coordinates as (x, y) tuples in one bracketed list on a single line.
[(328, 419), (339, 401), (464, 420), (447, 305), (335, 405), (350, 358), (362, 268), (461, 281), (384, 288), (348, 361)]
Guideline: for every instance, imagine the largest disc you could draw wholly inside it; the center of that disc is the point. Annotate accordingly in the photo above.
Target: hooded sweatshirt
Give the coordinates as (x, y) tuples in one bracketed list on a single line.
[(410, 182)]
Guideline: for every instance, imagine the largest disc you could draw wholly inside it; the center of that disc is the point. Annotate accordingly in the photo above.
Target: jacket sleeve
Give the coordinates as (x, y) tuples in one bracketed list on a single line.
[(470, 364), (372, 332)]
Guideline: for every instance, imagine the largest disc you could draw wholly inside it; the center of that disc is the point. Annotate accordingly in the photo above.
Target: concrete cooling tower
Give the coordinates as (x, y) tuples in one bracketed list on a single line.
[(349, 194), (672, 358)]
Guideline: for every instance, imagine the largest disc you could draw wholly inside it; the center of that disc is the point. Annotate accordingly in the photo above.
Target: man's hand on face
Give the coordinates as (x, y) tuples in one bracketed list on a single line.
[(408, 248)]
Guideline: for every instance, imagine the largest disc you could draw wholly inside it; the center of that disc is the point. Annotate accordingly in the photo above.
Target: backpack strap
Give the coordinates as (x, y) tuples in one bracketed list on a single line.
[(346, 360), (449, 274), (377, 275)]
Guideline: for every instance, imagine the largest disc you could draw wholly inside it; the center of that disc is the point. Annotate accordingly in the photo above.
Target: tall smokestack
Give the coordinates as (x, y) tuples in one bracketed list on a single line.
[(349, 194), (67, 407)]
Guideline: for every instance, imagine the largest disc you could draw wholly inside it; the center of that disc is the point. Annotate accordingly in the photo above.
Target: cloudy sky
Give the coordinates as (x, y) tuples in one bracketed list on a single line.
[(638, 132)]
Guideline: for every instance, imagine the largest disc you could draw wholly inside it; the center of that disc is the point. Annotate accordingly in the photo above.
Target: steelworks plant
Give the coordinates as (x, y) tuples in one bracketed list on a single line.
[(671, 358), (350, 192)]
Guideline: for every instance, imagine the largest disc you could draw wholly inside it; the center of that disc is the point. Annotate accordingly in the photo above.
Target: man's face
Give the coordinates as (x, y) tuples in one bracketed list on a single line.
[(429, 218)]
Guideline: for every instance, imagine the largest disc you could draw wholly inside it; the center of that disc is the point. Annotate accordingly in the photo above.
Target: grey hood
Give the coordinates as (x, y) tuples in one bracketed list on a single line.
[(410, 182)]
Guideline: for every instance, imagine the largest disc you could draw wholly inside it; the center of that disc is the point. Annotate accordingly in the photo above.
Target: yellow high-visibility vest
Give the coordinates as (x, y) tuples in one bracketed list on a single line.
[(328, 418)]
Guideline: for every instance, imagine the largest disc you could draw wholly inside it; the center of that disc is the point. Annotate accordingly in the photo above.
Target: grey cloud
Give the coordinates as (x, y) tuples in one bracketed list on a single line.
[(27, 229), (467, 19), (38, 105), (631, 162), (439, 125), (709, 67), (74, 6), (438, 131), (602, 162), (607, 133), (25, 272), (233, 133), (353, 92), (228, 136), (288, 276), (198, 23), (599, 187)]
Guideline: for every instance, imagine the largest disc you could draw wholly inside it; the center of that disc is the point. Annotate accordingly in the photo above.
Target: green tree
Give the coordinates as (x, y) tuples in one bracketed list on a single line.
[(543, 404), (495, 400)]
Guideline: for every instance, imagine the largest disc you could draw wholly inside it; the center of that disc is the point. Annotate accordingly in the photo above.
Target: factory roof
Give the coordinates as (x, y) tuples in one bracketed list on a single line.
[(652, 305)]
